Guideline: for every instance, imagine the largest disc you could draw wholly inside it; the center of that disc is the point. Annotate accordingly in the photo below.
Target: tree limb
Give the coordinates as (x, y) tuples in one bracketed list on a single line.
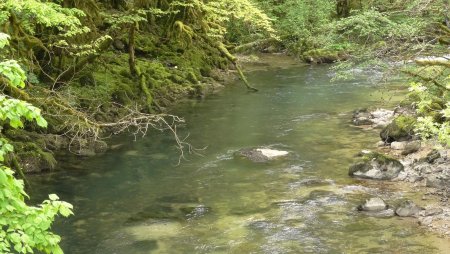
[(233, 60)]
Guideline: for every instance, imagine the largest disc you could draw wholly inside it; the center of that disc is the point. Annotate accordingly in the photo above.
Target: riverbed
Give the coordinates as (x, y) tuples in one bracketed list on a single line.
[(137, 199)]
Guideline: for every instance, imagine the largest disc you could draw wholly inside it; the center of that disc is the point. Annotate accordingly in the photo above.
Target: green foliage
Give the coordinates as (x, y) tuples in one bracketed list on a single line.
[(4, 40), (371, 26), (23, 228), (33, 13), (214, 17), (433, 109), (301, 23), (5, 148), (11, 70), (118, 21), (251, 16), (14, 110)]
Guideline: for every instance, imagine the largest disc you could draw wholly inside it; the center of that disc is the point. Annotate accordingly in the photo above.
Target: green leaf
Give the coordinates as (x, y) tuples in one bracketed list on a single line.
[(15, 123), (53, 197), (41, 121), (65, 211), (4, 40)]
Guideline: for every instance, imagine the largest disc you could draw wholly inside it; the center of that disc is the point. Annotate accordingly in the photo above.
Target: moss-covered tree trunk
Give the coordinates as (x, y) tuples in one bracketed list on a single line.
[(342, 8), (446, 9), (131, 50), (135, 70)]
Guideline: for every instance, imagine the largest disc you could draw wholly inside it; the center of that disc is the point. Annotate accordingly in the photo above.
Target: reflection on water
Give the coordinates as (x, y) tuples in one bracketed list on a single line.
[(136, 200)]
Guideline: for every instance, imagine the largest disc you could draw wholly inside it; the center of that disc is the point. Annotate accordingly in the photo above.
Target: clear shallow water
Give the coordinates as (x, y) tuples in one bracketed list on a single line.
[(136, 200)]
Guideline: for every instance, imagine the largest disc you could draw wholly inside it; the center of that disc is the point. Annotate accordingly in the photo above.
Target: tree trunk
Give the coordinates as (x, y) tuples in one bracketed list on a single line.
[(131, 51), (70, 72), (136, 71), (446, 8), (342, 8)]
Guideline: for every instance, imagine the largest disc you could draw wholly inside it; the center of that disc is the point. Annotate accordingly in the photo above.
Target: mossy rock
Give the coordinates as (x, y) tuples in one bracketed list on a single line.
[(376, 166), (401, 129), (36, 161), (31, 156), (322, 56)]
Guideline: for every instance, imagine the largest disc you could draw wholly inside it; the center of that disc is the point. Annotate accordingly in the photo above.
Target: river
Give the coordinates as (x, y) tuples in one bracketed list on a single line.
[(138, 200)]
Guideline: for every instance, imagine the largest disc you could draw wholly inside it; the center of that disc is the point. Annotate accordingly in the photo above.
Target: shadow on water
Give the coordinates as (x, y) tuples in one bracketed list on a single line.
[(136, 200)]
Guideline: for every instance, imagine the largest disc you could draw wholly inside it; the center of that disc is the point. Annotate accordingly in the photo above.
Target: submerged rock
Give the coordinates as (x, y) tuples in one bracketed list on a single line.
[(173, 212), (431, 212), (377, 118), (408, 209), (193, 212), (263, 225), (88, 148), (315, 182), (260, 154), (376, 166), (361, 117), (389, 212)]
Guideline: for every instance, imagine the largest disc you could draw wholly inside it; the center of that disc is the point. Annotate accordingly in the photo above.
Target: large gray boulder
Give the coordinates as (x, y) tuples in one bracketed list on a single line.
[(408, 209), (406, 147), (376, 166), (374, 205), (260, 154)]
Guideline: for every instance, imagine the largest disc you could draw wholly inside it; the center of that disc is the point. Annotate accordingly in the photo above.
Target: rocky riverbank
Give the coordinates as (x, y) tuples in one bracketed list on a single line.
[(400, 156)]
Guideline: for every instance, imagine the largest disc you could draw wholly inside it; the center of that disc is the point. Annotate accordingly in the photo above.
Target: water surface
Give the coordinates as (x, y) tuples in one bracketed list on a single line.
[(137, 200)]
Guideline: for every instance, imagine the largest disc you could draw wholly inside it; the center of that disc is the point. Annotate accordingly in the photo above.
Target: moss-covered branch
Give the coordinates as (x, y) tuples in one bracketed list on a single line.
[(434, 61), (426, 79), (233, 60)]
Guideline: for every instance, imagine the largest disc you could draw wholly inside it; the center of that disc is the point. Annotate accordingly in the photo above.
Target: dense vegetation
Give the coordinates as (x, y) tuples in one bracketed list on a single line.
[(99, 66), (378, 34)]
